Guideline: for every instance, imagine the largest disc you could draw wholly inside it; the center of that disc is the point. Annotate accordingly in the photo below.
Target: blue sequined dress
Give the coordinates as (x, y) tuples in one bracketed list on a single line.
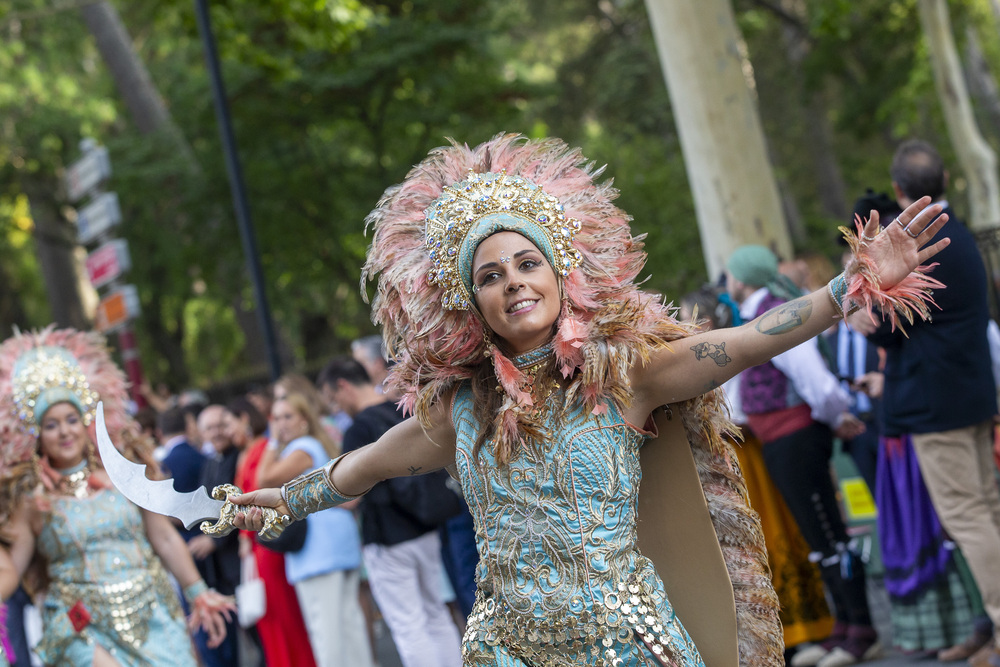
[(561, 581), (101, 564)]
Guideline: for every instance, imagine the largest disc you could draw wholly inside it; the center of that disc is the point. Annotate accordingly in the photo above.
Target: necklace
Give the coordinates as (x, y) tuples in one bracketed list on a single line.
[(75, 480), (530, 363)]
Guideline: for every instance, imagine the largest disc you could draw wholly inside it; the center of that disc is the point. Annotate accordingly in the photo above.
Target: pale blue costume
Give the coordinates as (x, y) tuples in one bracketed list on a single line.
[(561, 580), (98, 555)]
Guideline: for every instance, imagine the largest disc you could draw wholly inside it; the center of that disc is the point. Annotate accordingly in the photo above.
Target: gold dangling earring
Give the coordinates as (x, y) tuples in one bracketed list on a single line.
[(488, 352), (92, 461)]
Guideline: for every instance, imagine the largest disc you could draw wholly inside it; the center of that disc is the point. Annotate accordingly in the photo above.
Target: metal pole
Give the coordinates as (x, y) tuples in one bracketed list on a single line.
[(236, 185), (132, 363)]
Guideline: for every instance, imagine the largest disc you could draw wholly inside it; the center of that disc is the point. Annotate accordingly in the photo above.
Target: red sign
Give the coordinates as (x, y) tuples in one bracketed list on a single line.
[(108, 262), (117, 308)]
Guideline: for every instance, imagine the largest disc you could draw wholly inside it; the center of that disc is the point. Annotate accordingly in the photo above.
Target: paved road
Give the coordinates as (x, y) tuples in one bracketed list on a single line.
[(904, 661)]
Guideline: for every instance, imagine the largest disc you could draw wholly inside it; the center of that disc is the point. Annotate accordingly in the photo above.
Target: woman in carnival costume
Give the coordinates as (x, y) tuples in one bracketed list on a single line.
[(98, 563), (535, 369)]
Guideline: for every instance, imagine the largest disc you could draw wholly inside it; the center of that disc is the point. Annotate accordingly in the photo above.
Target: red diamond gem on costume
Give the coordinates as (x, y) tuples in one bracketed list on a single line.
[(79, 616)]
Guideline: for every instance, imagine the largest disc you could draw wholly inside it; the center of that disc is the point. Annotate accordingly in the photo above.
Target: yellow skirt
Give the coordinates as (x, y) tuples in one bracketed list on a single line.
[(805, 615)]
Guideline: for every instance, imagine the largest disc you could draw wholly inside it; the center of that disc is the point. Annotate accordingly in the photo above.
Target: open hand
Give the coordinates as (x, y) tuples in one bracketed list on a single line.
[(898, 249), (210, 611), (848, 427)]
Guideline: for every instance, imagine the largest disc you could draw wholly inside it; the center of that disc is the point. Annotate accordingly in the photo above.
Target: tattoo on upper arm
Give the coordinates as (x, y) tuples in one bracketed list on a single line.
[(786, 317), (415, 470), (716, 353)]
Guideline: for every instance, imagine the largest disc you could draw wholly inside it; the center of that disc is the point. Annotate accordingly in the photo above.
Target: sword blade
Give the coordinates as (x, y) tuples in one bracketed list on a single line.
[(156, 496)]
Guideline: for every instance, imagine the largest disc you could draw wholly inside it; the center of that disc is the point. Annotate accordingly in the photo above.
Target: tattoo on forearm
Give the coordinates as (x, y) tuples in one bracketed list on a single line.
[(786, 317), (714, 384), (716, 353), (415, 470)]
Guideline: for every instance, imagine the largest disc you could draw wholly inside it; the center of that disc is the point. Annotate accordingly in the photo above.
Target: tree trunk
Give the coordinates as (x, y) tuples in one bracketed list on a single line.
[(977, 159), (134, 84), (736, 198), (151, 116), (11, 303), (982, 84), (56, 249)]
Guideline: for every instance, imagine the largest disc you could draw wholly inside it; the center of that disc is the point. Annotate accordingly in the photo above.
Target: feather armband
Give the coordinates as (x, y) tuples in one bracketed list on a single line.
[(910, 297)]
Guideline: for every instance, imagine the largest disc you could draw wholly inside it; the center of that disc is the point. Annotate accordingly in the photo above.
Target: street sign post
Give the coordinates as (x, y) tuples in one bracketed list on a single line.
[(97, 217), (109, 262), (117, 308), (87, 173)]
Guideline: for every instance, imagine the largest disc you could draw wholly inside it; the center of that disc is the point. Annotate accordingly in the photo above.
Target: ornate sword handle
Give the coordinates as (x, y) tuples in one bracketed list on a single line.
[(274, 523)]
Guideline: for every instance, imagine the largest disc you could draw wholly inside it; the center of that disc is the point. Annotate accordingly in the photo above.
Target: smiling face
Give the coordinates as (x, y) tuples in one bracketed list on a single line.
[(516, 290), (64, 436)]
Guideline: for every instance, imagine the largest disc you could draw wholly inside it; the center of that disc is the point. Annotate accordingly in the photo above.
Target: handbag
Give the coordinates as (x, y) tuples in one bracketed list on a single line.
[(251, 600), (291, 539)]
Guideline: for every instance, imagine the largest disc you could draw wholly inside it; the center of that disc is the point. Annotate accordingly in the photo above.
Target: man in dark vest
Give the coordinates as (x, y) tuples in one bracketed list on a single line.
[(939, 388)]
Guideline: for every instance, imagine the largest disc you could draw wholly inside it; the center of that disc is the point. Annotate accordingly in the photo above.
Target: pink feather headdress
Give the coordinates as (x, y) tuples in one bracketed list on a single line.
[(103, 378), (607, 325), (435, 348)]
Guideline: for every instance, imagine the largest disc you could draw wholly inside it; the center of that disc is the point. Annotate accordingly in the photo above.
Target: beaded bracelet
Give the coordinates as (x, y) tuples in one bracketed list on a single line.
[(194, 590), (314, 491), (836, 289)]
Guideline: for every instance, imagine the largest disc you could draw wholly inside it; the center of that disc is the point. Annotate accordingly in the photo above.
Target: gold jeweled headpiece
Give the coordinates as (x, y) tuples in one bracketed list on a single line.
[(44, 376), (468, 212)]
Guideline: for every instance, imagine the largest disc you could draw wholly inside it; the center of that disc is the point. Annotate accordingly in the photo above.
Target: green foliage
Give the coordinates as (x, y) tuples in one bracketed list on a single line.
[(22, 300), (212, 339)]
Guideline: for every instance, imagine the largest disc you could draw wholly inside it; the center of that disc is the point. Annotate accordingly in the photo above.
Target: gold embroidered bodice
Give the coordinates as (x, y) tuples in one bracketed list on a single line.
[(560, 579)]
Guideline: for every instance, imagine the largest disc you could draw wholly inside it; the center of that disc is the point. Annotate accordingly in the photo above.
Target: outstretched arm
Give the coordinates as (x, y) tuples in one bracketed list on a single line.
[(405, 449), (209, 609), (700, 363)]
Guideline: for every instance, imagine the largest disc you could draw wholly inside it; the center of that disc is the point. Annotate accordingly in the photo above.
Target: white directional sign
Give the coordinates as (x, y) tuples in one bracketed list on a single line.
[(117, 308), (97, 217), (108, 262), (87, 172)]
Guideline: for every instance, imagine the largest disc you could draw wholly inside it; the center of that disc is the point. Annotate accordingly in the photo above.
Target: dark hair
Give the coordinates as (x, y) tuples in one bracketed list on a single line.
[(706, 299), (146, 418), (193, 409), (264, 390), (241, 406), (881, 202), (343, 368), (918, 170), (171, 421)]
